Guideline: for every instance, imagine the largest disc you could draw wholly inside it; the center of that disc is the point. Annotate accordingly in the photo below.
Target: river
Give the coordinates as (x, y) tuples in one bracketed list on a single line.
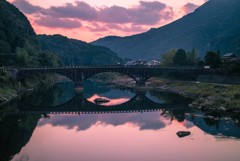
[(56, 124)]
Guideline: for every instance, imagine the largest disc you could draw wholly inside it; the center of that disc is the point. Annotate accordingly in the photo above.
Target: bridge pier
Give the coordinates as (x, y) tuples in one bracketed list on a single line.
[(77, 84), (140, 83), (78, 87), (19, 87)]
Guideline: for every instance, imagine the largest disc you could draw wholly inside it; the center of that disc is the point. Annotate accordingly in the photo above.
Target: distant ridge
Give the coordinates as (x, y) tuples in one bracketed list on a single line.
[(213, 26), (76, 52)]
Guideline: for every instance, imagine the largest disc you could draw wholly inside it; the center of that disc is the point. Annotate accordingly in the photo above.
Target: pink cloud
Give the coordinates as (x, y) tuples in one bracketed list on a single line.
[(96, 22), (146, 13), (26, 7), (188, 8), (79, 10), (131, 28), (58, 23), (95, 27)]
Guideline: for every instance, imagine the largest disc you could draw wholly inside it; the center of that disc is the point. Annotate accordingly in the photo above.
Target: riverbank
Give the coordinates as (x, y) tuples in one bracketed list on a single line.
[(7, 88), (10, 89), (204, 95)]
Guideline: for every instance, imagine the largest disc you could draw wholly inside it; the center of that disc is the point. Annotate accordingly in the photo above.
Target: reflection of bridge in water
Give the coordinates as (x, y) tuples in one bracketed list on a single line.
[(80, 105)]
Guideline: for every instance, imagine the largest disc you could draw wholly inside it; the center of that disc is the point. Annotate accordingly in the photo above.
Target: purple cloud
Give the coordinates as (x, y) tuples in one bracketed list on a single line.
[(189, 7), (26, 7), (147, 13), (96, 27), (79, 10), (58, 23), (69, 14)]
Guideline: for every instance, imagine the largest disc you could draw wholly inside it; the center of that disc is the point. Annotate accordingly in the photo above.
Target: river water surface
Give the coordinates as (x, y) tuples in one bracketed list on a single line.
[(57, 125)]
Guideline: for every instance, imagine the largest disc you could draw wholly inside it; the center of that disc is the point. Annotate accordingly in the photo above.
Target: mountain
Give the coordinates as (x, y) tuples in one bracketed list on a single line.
[(15, 30), (213, 26), (20, 46), (18, 41), (76, 52)]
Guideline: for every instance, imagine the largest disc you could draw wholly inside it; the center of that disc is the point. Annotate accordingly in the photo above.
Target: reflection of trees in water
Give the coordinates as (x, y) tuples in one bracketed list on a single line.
[(177, 114), (212, 122), (215, 115), (55, 95), (216, 122), (91, 88), (166, 97), (15, 132)]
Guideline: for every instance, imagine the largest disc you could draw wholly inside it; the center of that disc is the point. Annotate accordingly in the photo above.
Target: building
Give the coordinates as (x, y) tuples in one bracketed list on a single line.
[(228, 57), (154, 63)]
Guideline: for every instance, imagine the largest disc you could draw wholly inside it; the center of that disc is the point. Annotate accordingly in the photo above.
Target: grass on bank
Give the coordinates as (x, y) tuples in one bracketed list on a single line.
[(205, 95)]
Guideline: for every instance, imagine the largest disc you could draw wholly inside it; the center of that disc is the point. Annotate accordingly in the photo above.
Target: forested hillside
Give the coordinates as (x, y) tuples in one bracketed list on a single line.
[(18, 42), (76, 52)]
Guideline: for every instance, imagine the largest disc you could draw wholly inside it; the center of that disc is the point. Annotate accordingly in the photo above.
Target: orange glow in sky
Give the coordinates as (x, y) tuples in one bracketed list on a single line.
[(89, 20)]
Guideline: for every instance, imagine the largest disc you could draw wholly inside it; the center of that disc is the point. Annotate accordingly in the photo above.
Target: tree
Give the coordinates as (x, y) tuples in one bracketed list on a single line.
[(21, 57), (180, 57), (48, 59), (5, 53), (192, 58), (167, 58), (213, 59)]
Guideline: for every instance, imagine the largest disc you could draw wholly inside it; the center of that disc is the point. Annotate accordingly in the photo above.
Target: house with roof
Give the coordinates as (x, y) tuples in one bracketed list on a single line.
[(228, 57)]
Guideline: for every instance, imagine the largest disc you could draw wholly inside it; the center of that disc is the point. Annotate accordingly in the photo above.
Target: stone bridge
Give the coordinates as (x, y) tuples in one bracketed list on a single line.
[(139, 74)]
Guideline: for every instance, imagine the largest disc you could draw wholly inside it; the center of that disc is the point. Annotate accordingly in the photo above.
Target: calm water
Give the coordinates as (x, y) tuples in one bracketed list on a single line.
[(53, 125)]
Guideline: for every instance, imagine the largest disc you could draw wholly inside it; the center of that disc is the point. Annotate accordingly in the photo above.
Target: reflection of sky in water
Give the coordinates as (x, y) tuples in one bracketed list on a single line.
[(93, 90), (111, 102), (131, 136), (128, 137), (143, 121)]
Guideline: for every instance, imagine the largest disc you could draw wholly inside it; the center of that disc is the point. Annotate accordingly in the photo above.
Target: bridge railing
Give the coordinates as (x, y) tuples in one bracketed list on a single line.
[(107, 66), (210, 71)]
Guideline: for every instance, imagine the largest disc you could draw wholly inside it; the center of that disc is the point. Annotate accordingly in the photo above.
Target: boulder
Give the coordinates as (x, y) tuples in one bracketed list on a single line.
[(181, 134), (101, 100)]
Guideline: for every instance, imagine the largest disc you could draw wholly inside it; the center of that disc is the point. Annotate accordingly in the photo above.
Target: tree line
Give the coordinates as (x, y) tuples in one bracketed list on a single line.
[(212, 59), (27, 56)]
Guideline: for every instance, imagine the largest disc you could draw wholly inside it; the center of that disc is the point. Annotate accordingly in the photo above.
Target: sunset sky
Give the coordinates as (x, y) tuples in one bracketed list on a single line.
[(89, 20)]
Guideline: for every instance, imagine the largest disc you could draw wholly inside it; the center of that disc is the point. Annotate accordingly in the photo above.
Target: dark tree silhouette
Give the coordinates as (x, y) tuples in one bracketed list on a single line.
[(180, 57), (213, 59)]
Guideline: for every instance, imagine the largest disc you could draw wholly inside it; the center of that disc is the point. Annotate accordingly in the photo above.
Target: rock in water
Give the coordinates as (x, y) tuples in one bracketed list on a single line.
[(181, 134), (101, 100)]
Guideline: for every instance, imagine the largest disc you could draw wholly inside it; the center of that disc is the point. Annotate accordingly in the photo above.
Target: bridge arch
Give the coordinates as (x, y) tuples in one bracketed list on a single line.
[(139, 74), (102, 75)]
